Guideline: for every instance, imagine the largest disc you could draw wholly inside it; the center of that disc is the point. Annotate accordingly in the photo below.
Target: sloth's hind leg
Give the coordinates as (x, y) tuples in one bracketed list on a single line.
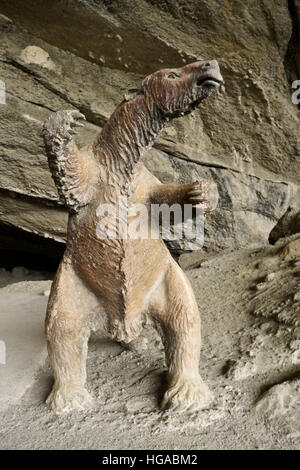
[(67, 331), (175, 311)]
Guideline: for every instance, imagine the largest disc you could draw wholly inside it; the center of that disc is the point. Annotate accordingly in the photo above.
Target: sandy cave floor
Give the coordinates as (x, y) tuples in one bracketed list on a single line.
[(250, 304)]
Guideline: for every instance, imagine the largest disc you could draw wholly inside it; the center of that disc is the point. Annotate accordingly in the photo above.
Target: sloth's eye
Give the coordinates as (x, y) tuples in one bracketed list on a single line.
[(173, 76)]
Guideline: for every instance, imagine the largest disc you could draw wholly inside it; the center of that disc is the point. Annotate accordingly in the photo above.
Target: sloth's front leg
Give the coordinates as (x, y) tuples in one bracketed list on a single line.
[(202, 192)]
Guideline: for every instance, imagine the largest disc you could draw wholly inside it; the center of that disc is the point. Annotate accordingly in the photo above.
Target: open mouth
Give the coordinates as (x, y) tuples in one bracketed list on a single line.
[(209, 81)]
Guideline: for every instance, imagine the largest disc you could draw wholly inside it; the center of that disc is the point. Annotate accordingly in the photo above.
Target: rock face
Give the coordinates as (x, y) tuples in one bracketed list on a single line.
[(89, 52)]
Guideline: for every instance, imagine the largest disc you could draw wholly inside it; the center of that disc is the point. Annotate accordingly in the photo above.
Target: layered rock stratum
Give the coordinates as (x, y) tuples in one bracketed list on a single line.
[(84, 54)]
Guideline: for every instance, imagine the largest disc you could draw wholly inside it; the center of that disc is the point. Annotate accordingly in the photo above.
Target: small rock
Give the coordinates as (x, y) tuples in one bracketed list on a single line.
[(268, 327), (260, 286), (37, 55), (287, 225), (19, 272), (270, 277), (294, 345), (5, 23), (297, 296), (296, 333), (282, 404), (291, 250)]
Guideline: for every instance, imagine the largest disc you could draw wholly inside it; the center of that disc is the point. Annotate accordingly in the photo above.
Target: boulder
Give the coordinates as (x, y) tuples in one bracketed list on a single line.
[(287, 225)]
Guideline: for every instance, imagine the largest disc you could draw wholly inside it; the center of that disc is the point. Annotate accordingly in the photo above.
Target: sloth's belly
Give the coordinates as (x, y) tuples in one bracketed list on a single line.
[(123, 273)]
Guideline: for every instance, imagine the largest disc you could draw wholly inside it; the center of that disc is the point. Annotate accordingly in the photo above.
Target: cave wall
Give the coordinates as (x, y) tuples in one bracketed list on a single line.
[(84, 54)]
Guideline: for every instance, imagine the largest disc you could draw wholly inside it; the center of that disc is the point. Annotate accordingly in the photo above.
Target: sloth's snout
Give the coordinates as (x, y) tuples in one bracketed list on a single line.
[(210, 64), (209, 73)]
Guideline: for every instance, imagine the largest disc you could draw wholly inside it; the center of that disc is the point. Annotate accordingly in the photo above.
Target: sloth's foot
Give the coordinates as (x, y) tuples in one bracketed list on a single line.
[(69, 398), (186, 394)]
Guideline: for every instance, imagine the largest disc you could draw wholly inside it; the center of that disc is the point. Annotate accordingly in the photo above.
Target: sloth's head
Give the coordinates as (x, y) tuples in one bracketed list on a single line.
[(179, 91)]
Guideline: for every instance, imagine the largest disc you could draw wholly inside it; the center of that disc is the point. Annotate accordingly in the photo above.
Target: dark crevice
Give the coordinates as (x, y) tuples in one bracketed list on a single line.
[(30, 102), (33, 198), (216, 166), (190, 160), (21, 248)]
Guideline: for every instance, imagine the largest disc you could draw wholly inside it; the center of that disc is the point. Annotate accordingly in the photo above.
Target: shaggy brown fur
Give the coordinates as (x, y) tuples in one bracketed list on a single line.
[(114, 283)]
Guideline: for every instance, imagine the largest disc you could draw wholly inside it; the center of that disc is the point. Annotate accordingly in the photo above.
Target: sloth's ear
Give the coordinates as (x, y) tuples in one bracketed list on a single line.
[(132, 93)]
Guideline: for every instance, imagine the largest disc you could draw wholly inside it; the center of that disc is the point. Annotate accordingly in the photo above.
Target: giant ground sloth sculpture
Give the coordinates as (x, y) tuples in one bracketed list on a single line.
[(114, 283)]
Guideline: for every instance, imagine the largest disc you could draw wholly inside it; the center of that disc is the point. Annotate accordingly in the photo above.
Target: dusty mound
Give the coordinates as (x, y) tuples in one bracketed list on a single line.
[(277, 293)]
